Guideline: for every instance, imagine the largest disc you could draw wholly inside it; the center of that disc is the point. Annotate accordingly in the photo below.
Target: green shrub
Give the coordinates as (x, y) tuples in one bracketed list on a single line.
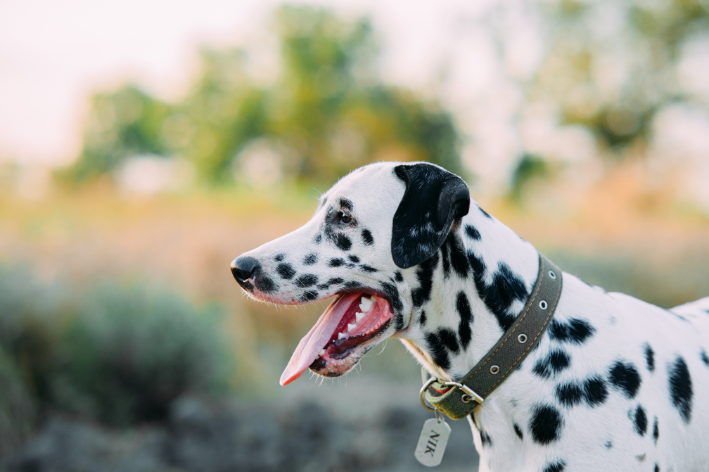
[(17, 408), (129, 352), (30, 325), (119, 354)]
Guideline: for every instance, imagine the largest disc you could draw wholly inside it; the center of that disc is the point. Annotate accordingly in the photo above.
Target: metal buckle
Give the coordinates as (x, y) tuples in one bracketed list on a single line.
[(423, 390), (470, 393)]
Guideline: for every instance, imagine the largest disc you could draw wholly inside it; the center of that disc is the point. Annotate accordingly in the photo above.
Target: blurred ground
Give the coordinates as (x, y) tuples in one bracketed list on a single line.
[(372, 424)]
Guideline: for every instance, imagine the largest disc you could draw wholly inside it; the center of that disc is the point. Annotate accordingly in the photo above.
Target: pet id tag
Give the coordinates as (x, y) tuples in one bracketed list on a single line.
[(433, 441)]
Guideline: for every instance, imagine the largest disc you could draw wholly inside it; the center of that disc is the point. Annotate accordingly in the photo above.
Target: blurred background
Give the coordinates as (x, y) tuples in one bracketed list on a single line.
[(145, 144)]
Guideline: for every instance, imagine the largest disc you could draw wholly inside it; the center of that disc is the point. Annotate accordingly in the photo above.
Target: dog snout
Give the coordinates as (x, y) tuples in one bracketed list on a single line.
[(244, 268)]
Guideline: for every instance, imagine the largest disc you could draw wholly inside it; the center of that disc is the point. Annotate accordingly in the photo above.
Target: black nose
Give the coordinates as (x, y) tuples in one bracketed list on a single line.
[(244, 268)]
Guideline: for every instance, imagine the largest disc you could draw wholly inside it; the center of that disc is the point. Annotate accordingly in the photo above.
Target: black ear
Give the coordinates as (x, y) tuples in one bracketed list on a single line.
[(433, 200)]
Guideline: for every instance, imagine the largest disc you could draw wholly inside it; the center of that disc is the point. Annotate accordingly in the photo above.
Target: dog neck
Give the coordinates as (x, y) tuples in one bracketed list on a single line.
[(468, 293)]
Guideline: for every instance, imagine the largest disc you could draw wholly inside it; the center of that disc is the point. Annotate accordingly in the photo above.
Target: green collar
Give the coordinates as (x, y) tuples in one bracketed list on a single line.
[(459, 399)]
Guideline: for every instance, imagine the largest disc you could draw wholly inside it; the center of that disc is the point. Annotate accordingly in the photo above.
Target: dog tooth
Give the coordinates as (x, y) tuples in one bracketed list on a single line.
[(366, 304), (359, 316), (322, 352), (341, 336), (350, 327)]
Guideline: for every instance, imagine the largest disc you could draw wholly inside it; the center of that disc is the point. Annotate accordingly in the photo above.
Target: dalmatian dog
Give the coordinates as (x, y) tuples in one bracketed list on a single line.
[(613, 385)]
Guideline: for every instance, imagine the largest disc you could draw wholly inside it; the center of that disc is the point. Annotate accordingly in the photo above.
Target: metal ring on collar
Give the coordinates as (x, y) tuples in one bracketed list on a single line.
[(423, 390)]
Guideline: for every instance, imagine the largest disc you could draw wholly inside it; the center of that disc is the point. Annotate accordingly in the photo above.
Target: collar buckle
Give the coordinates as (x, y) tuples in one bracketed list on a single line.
[(468, 393)]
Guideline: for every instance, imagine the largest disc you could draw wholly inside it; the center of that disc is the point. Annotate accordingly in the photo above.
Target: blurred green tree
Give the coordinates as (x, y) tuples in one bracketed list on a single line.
[(325, 115), (121, 124), (612, 66)]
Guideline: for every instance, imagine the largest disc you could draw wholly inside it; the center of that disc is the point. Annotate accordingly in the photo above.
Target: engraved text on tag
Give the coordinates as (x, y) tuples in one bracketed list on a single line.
[(432, 443)]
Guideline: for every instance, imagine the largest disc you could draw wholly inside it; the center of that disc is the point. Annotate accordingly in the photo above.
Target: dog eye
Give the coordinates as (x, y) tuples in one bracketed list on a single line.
[(343, 218)]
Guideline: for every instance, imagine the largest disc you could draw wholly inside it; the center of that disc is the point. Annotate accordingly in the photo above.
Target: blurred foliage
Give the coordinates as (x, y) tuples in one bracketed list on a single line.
[(612, 65), (131, 352), (325, 115), (117, 354), (123, 124), (17, 410), (529, 168)]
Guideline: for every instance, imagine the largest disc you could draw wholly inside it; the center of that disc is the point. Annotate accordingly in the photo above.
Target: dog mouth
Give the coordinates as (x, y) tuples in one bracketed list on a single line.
[(341, 336)]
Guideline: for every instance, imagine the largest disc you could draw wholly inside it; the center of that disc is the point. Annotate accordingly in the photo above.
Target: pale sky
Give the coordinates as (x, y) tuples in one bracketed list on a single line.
[(54, 54)]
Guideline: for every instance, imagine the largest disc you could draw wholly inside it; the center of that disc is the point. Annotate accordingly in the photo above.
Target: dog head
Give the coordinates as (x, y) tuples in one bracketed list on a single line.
[(368, 232)]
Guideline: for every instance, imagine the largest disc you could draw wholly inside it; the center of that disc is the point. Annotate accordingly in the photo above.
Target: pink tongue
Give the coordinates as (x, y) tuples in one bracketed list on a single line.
[(312, 343)]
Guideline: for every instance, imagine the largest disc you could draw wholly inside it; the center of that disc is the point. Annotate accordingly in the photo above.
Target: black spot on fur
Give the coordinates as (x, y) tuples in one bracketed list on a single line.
[(557, 466), (640, 421), (595, 391), (518, 431), (438, 351), (449, 339), (279, 257), (286, 271), (506, 287), (554, 363), (545, 424), (265, 284), (704, 357), (353, 258), (317, 239), (655, 431), (309, 296), (650, 358), (466, 317), (398, 276), (657, 468), (422, 318), (485, 439), (352, 284), (306, 280), (424, 273), (342, 242), (569, 394), (609, 444), (625, 377), (453, 254), (310, 259), (457, 256), (445, 259), (484, 212), (346, 204), (367, 237), (472, 233), (681, 388), (575, 331), (337, 262), (367, 268)]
